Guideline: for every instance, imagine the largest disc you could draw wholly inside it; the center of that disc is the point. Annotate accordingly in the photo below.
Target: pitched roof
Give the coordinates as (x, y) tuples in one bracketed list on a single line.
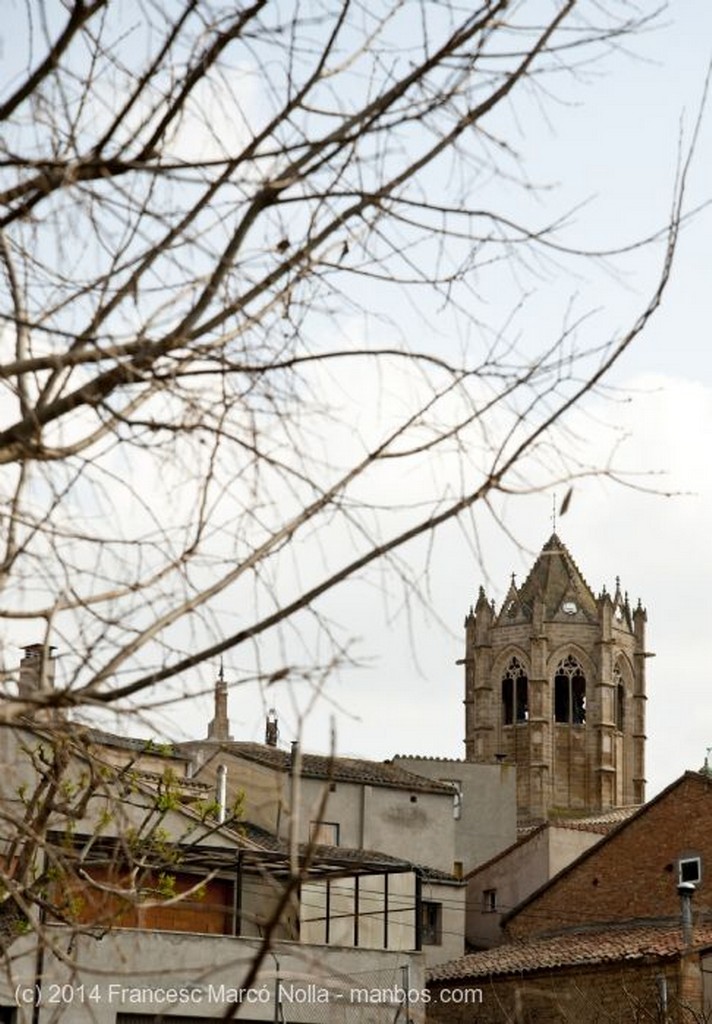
[(554, 578), (602, 821), (574, 949), (156, 748), (337, 769)]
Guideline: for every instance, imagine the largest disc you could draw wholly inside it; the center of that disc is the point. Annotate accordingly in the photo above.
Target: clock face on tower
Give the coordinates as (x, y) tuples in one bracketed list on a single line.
[(569, 607)]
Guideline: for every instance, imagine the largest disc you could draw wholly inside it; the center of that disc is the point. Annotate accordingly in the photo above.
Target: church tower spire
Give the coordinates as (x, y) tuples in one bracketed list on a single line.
[(219, 728), (555, 684)]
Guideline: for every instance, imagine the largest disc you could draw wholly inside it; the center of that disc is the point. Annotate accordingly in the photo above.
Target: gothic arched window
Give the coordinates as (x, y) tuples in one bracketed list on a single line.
[(515, 693), (569, 692)]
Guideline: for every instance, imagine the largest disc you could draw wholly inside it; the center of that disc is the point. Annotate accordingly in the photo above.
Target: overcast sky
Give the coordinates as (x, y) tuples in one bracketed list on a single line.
[(611, 144), (614, 143)]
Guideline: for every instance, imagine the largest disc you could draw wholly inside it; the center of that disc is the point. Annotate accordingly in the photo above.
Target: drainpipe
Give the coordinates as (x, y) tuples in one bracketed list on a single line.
[(686, 891), (278, 1011), (221, 794), (662, 985), (39, 956), (406, 991), (362, 820)]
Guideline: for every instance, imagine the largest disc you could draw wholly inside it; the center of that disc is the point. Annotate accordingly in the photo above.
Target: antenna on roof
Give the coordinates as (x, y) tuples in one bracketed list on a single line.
[(553, 513)]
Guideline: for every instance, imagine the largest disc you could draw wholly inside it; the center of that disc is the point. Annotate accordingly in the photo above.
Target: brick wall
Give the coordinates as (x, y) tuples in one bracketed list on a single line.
[(612, 994), (634, 873)]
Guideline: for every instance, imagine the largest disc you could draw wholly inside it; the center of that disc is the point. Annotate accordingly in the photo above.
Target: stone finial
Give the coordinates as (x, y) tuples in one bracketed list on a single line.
[(481, 600)]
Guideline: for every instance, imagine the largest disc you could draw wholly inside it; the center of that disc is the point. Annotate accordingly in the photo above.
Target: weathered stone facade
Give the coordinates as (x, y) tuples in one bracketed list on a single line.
[(555, 683)]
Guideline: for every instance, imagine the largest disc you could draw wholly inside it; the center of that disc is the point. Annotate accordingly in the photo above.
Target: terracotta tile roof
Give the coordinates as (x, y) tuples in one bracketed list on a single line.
[(573, 949), (338, 769), (601, 822), (188, 789), (156, 748)]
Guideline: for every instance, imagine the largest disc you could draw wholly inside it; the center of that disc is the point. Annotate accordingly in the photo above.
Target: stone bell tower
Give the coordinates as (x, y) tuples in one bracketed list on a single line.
[(555, 683)]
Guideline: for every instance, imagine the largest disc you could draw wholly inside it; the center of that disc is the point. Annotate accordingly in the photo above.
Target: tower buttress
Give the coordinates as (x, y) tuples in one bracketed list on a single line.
[(640, 619)]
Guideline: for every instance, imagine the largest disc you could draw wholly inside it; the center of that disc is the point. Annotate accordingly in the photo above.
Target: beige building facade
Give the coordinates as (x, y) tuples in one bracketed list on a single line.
[(484, 809), (355, 809), (499, 885), (131, 977)]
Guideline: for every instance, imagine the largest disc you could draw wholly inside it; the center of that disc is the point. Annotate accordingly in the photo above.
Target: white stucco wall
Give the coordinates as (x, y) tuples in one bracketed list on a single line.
[(416, 826), (566, 844), (413, 825), (518, 874), (452, 938), (189, 975), (488, 813)]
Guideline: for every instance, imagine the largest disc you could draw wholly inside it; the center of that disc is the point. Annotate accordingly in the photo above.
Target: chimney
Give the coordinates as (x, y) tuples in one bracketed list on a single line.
[(219, 728), (36, 670), (271, 728)]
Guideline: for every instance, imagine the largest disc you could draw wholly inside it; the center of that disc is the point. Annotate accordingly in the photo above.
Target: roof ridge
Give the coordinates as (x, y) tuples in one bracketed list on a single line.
[(655, 937), (426, 757), (336, 768)]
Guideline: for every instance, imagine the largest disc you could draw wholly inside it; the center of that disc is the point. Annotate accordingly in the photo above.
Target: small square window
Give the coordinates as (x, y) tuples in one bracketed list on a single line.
[(431, 923), (325, 833), (489, 901), (690, 870)]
